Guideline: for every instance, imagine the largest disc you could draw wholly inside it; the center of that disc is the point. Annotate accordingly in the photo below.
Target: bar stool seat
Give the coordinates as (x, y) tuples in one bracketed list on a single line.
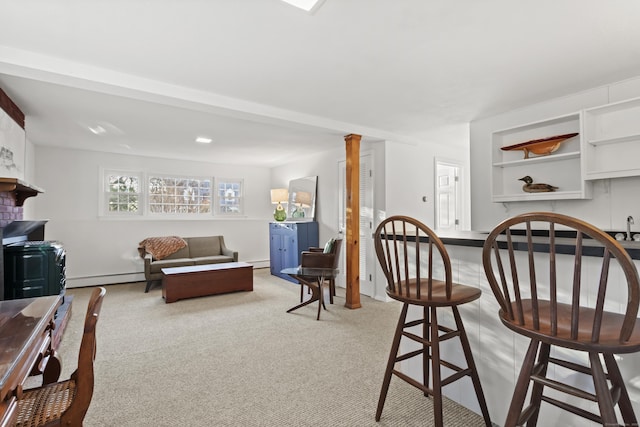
[(609, 332), (405, 250)]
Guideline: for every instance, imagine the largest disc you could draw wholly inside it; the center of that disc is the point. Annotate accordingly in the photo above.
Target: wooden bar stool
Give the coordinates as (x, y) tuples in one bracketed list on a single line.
[(553, 312), (405, 250)]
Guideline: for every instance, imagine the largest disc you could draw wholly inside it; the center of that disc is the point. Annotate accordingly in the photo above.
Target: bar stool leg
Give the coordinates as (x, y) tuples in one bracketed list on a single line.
[(537, 390), (466, 348), (392, 360), (605, 402), (624, 402), (435, 365), (426, 349), (522, 385)]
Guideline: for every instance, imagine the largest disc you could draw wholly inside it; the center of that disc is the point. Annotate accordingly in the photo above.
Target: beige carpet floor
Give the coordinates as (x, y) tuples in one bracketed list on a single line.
[(240, 360)]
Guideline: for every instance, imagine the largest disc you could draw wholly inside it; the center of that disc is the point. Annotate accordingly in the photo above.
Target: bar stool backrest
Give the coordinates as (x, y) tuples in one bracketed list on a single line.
[(531, 280), (409, 253)]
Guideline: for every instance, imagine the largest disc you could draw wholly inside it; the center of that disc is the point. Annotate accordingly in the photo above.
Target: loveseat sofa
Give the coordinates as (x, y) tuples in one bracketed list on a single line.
[(182, 251)]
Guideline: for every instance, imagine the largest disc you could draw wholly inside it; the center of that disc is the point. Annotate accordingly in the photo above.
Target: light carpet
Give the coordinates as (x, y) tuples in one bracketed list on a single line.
[(240, 360)]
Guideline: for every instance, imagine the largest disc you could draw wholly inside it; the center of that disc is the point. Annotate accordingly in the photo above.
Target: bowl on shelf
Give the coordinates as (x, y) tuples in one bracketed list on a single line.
[(541, 147)]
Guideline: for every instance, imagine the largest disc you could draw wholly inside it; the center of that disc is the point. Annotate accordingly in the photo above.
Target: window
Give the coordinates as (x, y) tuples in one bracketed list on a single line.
[(122, 193), (179, 195), (229, 197), (135, 193)]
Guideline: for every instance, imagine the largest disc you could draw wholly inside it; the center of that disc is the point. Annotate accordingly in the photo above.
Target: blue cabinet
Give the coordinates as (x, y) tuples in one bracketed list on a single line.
[(287, 240)]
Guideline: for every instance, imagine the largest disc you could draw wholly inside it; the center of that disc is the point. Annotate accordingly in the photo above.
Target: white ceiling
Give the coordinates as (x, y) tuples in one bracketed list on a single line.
[(270, 83)]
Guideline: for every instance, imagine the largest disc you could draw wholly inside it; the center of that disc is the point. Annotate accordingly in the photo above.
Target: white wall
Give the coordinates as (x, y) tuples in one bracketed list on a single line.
[(410, 174), (29, 177), (103, 250), (613, 200)]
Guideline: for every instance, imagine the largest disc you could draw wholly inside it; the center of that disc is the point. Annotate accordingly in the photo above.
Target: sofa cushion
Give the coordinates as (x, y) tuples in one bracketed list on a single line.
[(213, 259), (156, 266), (204, 246)]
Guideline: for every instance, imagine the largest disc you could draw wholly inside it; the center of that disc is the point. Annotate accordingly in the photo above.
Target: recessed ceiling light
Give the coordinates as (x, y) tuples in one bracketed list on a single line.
[(307, 5), (203, 140)]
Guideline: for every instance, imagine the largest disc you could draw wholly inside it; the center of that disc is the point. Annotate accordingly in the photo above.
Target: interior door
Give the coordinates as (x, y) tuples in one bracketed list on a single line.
[(447, 196), (366, 221)]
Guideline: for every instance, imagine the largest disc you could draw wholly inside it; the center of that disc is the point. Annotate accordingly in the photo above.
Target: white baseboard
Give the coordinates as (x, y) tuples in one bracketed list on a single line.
[(81, 282)]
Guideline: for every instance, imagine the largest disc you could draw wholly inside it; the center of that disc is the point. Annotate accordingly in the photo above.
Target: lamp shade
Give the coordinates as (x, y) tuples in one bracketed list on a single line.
[(279, 195)]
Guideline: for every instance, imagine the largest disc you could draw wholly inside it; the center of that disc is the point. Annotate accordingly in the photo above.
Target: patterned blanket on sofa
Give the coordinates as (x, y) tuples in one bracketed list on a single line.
[(161, 247)]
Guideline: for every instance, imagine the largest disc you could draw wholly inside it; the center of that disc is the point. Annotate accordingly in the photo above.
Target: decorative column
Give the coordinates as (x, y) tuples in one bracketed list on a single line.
[(353, 221)]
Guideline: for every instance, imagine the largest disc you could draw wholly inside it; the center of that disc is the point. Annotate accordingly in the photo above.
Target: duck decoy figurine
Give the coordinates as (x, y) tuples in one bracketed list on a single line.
[(530, 187)]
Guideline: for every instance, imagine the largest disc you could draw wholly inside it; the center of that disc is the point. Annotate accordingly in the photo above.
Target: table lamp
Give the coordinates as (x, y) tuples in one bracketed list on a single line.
[(279, 196)]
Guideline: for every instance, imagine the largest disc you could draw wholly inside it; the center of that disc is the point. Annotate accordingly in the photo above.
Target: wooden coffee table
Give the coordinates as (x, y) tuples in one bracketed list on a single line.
[(208, 279)]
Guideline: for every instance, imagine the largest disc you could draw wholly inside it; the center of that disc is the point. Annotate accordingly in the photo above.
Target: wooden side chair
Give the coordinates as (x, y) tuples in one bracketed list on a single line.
[(65, 403), (408, 252), (317, 257), (536, 302)]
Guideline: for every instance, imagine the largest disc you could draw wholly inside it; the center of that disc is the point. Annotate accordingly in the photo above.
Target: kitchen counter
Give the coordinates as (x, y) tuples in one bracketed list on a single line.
[(564, 242)]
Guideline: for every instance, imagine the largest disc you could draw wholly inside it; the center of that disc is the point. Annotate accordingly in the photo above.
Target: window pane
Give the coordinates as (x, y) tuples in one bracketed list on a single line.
[(229, 196), (122, 192)]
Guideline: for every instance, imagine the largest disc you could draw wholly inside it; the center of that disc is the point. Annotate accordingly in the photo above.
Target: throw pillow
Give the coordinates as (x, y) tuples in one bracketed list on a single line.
[(328, 247)]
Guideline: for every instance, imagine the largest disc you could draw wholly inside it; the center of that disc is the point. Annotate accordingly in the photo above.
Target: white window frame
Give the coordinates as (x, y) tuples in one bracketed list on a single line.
[(106, 194), (219, 199)]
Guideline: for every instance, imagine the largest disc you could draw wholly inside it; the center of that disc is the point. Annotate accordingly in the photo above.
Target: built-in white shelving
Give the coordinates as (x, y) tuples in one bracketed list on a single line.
[(607, 146), (562, 168), (611, 140)]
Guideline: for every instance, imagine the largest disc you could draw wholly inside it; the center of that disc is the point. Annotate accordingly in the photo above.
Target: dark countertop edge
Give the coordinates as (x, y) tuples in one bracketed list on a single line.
[(564, 244)]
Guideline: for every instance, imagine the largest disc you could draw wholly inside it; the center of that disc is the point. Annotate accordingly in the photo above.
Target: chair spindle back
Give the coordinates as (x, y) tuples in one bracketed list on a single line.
[(531, 288), (405, 250)]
